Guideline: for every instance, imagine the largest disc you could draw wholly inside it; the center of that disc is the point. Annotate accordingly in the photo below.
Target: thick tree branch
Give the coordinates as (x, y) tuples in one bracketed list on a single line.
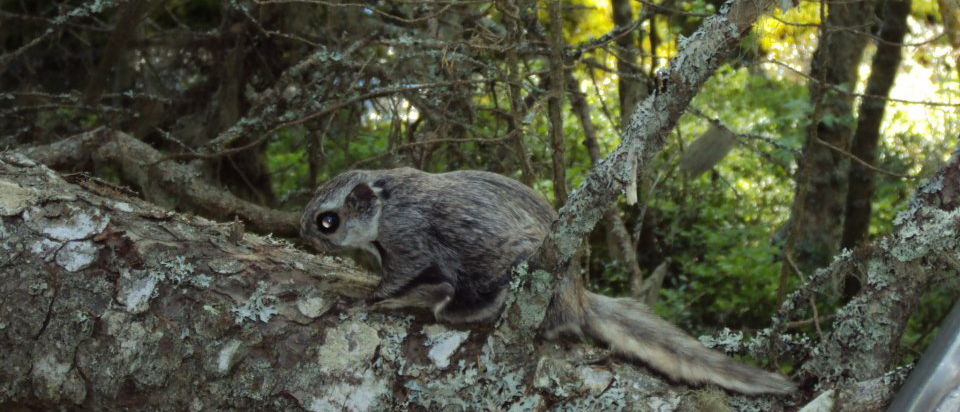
[(110, 303), (870, 395), (167, 183), (897, 270)]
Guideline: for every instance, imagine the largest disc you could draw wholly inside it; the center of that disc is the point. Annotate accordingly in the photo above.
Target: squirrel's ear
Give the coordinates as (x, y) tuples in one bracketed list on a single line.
[(361, 198)]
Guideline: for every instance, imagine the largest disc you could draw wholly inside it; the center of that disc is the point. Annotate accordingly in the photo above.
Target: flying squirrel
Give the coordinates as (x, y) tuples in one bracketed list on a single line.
[(449, 242)]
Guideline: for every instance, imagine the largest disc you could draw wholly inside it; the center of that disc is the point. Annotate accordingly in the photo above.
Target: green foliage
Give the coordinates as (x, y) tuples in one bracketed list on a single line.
[(927, 9), (719, 228), (287, 164)]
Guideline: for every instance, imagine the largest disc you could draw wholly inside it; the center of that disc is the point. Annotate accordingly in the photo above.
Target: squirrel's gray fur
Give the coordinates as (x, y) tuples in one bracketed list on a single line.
[(449, 242)]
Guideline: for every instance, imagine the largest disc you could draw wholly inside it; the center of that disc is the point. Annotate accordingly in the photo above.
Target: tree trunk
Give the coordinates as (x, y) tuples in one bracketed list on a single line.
[(631, 89), (886, 62), (817, 217), (555, 104), (245, 173), (950, 11), (128, 19)]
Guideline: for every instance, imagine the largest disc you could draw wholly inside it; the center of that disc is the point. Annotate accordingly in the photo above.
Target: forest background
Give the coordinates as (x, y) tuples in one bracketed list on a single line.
[(805, 144)]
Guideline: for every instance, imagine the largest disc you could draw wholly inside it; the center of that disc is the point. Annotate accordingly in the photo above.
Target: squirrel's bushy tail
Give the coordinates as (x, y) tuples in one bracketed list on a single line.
[(630, 328)]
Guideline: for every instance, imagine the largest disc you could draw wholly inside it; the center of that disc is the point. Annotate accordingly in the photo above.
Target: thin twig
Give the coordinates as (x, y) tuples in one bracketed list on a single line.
[(862, 33), (813, 303), (807, 322), (669, 10), (862, 162), (330, 108), (58, 23), (363, 6), (862, 95)]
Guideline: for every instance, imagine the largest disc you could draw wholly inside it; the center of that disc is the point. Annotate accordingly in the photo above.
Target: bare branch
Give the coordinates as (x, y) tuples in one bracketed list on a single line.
[(137, 163), (58, 24)]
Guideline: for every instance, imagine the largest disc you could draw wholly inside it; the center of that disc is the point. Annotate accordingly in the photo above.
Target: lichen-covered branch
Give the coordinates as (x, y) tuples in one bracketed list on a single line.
[(108, 302), (869, 395), (167, 183), (897, 270)]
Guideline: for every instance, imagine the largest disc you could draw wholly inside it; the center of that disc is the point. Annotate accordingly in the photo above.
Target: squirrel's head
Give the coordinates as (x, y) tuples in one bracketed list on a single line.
[(343, 214)]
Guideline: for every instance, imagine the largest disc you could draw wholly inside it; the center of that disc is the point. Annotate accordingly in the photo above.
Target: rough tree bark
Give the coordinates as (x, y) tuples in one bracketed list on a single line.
[(898, 269), (555, 104), (166, 183), (108, 302), (883, 70), (816, 221)]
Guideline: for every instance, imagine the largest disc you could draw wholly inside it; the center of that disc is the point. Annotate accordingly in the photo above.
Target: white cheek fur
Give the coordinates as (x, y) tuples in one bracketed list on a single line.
[(361, 234)]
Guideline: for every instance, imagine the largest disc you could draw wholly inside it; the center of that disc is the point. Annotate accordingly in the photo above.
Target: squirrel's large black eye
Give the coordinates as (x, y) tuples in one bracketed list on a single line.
[(328, 222)]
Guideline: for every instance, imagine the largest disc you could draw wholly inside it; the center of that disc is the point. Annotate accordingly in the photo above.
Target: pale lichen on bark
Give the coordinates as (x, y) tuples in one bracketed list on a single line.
[(152, 323), (857, 360)]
